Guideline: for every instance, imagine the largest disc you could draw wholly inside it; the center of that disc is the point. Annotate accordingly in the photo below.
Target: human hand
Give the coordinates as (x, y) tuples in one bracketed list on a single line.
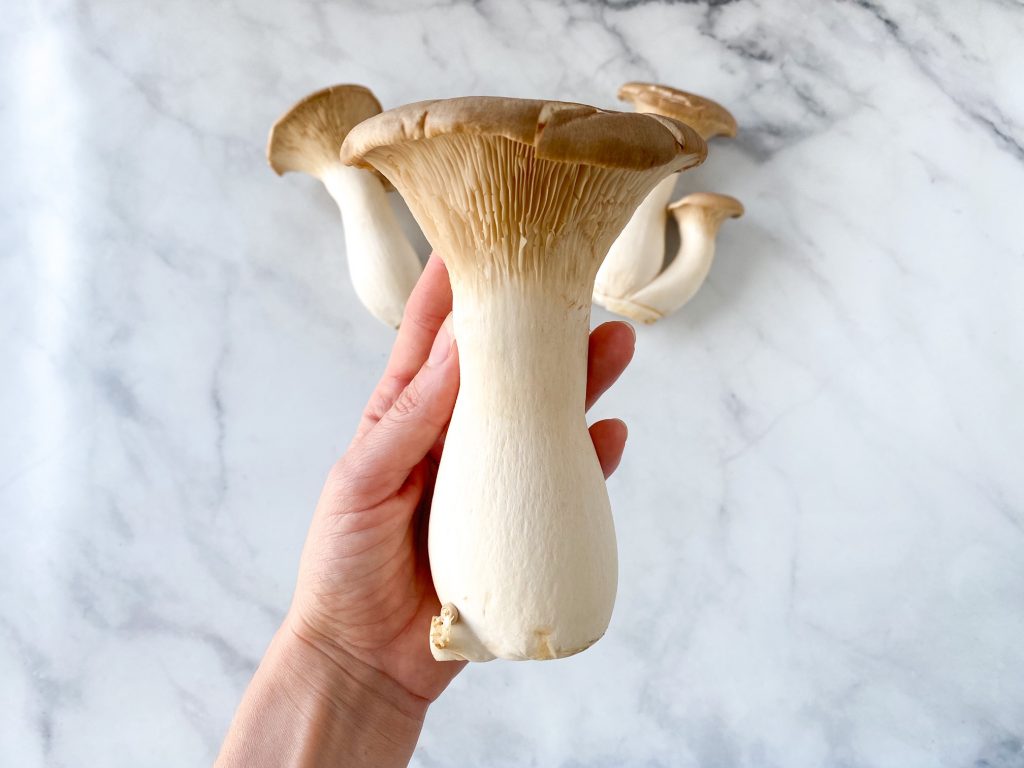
[(364, 593)]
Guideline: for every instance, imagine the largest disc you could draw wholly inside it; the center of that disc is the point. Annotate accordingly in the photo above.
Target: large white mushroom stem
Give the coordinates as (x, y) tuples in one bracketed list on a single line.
[(637, 255), (699, 217), (522, 199), (382, 263)]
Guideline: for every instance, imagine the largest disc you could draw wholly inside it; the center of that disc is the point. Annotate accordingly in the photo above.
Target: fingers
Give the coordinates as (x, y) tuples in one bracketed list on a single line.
[(409, 411), (611, 348), (427, 307), (609, 438), (378, 464)]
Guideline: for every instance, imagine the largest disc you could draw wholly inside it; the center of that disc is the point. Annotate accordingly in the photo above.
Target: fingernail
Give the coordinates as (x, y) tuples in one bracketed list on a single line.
[(443, 343)]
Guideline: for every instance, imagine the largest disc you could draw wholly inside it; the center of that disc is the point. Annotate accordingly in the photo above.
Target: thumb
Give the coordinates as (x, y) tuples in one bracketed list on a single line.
[(405, 434)]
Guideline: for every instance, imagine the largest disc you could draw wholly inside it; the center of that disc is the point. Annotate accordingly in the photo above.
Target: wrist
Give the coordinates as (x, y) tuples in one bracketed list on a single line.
[(306, 707), (342, 678)]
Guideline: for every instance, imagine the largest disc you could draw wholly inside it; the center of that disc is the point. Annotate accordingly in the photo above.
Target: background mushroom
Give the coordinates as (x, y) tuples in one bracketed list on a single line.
[(698, 217), (382, 263), (637, 255), (522, 198)]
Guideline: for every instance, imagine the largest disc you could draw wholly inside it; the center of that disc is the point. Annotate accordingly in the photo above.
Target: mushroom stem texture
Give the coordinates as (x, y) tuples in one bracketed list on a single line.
[(552, 518), (381, 261), (699, 217), (522, 199)]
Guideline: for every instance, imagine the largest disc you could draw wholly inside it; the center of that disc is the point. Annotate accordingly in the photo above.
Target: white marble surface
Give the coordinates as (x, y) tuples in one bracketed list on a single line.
[(821, 509)]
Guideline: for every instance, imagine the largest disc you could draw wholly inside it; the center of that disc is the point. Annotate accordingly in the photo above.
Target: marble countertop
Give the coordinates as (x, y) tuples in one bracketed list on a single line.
[(821, 508)]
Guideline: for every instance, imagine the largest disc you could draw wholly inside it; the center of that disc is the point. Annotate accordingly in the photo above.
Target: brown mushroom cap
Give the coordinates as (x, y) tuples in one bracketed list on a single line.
[(707, 117), (535, 188), (717, 206), (308, 136), (558, 131)]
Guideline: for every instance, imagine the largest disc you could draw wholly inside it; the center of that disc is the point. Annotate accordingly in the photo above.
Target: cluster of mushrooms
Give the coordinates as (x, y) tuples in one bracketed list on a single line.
[(633, 280), (523, 200)]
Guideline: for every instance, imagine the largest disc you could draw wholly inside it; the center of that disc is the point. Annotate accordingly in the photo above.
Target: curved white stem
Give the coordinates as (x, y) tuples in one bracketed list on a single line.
[(381, 261), (638, 253), (684, 276), (521, 537)]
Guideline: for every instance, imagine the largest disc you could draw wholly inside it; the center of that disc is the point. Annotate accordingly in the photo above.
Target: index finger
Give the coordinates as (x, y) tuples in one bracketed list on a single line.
[(427, 307), (610, 351)]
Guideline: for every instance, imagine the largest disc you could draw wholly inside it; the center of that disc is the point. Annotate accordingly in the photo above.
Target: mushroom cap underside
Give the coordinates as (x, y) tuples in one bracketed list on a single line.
[(707, 117), (722, 205), (557, 131), (308, 137)]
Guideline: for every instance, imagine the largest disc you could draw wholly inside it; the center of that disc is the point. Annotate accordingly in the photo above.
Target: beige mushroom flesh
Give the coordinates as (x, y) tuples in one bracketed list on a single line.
[(637, 255), (382, 264), (522, 199), (698, 217)]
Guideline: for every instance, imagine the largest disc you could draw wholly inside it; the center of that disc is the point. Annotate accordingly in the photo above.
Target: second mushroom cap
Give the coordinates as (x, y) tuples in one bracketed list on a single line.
[(707, 117)]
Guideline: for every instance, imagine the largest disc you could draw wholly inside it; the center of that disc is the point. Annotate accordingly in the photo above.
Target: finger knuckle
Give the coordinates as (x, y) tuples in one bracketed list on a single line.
[(378, 405), (409, 402), (339, 485)]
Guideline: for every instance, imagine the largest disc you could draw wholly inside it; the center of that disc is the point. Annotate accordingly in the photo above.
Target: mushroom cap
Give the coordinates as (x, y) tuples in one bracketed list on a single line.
[(707, 117), (722, 206), (308, 136), (534, 189), (558, 131)]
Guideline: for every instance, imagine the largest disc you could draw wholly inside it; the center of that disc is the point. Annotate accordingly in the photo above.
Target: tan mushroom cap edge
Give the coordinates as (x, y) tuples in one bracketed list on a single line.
[(707, 117), (308, 137), (720, 205), (558, 131)]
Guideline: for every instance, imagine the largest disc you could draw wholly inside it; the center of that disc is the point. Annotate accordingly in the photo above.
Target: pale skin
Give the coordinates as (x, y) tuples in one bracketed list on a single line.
[(348, 676)]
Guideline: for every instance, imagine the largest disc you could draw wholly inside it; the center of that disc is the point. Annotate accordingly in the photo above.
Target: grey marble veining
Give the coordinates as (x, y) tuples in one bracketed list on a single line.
[(821, 509)]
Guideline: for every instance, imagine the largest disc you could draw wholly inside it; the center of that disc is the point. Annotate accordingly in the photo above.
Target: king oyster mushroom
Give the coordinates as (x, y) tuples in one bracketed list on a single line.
[(698, 217), (382, 263), (522, 199), (637, 255)]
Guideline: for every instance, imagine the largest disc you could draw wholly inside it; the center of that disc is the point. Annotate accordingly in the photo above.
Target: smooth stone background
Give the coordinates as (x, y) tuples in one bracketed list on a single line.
[(821, 509)]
